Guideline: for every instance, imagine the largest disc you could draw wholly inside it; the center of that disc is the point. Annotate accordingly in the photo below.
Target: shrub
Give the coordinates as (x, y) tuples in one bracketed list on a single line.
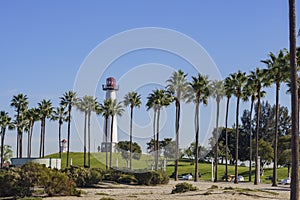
[(144, 178), (85, 177), (127, 179), (159, 177), (184, 187)]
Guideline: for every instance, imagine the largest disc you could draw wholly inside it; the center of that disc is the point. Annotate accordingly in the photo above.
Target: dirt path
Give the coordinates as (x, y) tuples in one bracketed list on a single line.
[(221, 192)]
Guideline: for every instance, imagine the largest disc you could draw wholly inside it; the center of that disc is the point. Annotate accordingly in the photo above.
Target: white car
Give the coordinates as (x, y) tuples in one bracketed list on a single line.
[(187, 177), (286, 181)]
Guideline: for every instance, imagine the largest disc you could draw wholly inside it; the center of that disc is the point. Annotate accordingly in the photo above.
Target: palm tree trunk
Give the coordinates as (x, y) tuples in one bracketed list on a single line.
[(237, 139), (274, 179), (256, 178), (157, 140), (226, 139), (111, 139), (294, 194), (17, 142), (196, 122), (2, 146), (59, 138), (106, 143), (89, 139), (217, 143), (28, 142), (20, 144), (250, 140), (69, 132), (41, 138), (84, 139), (154, 134), (130, 139), (44, 135), (177, 137)]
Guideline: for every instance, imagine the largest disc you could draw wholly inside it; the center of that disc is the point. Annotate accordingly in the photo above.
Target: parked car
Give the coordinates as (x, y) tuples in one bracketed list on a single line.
[(286, 181), (187, 177)]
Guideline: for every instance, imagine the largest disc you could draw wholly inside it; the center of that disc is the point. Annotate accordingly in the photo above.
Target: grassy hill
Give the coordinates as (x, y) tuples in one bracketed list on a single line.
[(98, 161)]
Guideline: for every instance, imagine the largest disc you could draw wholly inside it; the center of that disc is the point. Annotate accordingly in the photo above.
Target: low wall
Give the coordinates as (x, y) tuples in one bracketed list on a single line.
[(49, 162)]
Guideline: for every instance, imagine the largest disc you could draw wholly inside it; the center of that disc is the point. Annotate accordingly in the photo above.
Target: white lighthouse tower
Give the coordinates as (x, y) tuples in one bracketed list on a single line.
[(111, 89)]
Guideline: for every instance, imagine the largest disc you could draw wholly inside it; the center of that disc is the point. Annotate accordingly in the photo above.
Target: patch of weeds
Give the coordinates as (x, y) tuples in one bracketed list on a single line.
[(32, 198), (132, 196), (184, 187), (207, 193), (213, 187), (101, 193)]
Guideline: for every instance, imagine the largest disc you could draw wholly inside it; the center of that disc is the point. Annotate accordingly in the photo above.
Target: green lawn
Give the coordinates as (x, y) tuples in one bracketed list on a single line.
[(98, 160)]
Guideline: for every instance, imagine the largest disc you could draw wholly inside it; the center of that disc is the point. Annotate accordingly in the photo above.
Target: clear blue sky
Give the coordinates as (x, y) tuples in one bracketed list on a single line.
[(44, 43)]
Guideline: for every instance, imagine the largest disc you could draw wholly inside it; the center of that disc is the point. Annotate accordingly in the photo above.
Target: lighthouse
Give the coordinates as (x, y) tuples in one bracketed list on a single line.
[(111, 89)]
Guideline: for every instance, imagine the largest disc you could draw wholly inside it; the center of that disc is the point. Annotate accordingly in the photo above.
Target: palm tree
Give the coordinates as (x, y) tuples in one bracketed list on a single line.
[(45, 110), (60, 114), (258, 79), (5, 121), (218, 92), (132, 99), (239, 80), (294, 194), (278, 71), (228, 85), (178, 87), (116, 110), (250, 91), (199, 93), (31, 116), (159, 99), (68, 100), (20, 103), (105, 110)]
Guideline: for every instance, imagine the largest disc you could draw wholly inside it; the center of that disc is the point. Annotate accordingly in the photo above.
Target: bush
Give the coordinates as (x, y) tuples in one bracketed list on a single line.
[(144, 178), (85, 177), (184, 187), (127, 179), (159, 177)]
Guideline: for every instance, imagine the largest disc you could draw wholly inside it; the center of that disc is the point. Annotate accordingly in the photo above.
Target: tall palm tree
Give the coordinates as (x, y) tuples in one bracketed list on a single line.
[(239, 81), (278, 71), (60, 114), (217, 92), (31, 115), (151, 105), (159, 98), (45, 110), (132, 99), (68, 100), (258, 79), (116, 110), (294, 194), (250, 92), (199, 93), (20, 103), (178, 86), (81, 105), (5, 121), (105, 110), (228, 85)]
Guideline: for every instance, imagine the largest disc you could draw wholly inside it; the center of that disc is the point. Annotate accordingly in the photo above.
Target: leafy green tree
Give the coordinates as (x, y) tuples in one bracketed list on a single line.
[(199, 93), (277, 71), (124, 148), (266, 153), (239, 80), (45, 111), (132, 99), (60, 114), (178, 86), (19, 103), (217, 92), (5, 121), (68, 100), (116, 110)]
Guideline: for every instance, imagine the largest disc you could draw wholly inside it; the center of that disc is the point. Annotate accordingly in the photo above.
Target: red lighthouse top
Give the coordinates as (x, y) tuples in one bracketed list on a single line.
[(110, 84)]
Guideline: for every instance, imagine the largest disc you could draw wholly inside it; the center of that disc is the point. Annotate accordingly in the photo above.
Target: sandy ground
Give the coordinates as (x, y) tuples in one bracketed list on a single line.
[(119, 191)]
